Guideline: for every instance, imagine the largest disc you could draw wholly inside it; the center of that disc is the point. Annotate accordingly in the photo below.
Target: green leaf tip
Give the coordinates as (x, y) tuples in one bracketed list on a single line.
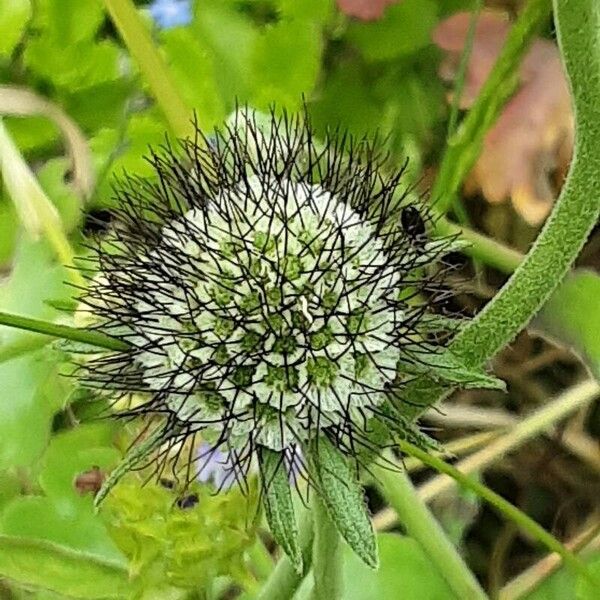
[(279, 507), (337, 485), (135, 455)]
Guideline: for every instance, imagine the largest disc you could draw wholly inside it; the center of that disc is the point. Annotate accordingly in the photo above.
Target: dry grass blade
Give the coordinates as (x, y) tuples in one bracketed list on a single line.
[(21, 102)]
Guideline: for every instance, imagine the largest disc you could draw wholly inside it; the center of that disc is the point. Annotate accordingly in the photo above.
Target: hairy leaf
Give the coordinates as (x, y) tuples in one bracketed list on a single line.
[(279, 508), (337, 484)]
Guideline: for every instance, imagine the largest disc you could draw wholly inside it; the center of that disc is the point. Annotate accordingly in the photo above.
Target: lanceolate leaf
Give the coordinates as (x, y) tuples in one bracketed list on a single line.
[(446, 367), (342, 494), (279, 508), (42, 564)]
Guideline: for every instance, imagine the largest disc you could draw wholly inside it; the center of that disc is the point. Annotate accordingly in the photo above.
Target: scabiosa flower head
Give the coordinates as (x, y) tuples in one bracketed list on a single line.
[(269, 286)]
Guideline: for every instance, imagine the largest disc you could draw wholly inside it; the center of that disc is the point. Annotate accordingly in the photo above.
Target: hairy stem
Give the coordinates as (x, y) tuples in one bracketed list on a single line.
[(465, 145), (139, 43), (422, 526), (65, 332), (501, 505), (575, 214), (327, 553)]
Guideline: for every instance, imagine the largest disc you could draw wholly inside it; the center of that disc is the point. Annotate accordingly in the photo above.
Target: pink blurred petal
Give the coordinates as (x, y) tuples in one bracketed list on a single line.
[(533, 137), (365, 10)]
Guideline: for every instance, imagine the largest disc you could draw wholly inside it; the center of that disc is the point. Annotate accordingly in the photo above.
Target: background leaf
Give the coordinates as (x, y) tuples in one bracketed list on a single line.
[(572, 319), (42, 564), (32, 390), (405, 28), (15, 14)]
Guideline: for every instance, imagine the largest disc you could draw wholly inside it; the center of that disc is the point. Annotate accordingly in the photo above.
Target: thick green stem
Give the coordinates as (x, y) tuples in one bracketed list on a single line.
[(285, 580), (422, 526), (139, 43), (577, 209), (85, 336), (465, 145), (327, 554), (501, 505), (568, 227)]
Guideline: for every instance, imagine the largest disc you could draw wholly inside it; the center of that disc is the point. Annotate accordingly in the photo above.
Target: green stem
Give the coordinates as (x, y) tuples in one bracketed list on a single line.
[(262, 562), (577, 209), (485, 249), (327, 554), (36, 212), (285, 580), (566, 230), (462, 68), (465, 146), (422, 526), (501, 505), (86, 336), (22, 345), (139, 43)]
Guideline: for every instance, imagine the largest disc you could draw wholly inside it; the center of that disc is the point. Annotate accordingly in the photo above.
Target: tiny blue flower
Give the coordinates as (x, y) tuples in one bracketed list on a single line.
[(171, 13), (216, 466)]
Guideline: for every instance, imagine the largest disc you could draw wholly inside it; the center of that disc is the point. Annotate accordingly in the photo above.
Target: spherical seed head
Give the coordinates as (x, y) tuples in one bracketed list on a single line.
[(289, 319), (265, 284)]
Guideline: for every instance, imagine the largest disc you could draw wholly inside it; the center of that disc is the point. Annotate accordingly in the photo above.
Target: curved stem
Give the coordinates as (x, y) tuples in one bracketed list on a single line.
[(36, 212), (421, 525), (327, 554), (85, 336), (501, 505), (577, 209), (524, 583), (568, 227)]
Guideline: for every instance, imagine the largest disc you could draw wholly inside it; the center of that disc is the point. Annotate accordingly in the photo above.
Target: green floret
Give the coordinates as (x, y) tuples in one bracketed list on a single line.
[(282, 379), (243, 376), (357, 322), (321, 371), (285, 344), (321, 339), (250, 341), (223, 328), (292, 267)]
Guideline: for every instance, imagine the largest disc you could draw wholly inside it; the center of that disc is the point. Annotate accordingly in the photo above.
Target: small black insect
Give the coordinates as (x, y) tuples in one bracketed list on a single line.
[(412, 222), (167, 483), (188, 501)]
